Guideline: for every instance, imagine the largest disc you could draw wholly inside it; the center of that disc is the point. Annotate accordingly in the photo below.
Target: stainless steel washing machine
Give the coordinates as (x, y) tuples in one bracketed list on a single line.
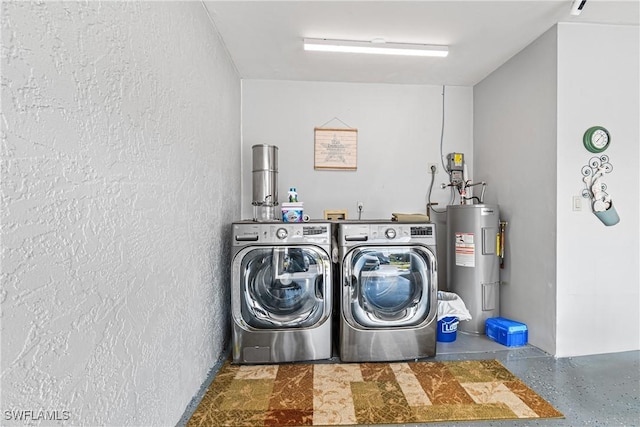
[(281, 292), (388, 291)]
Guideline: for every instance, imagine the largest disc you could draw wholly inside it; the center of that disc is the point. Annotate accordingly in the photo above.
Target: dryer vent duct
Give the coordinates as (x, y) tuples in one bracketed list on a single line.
[(265, 182)]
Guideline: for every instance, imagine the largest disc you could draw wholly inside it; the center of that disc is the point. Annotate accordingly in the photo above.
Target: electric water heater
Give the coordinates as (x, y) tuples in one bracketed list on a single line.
[(473, 264)]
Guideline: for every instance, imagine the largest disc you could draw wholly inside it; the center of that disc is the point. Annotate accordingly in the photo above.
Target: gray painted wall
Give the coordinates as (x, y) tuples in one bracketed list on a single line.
[(398, 134), (120, 178), (571, 279), (515, 152)]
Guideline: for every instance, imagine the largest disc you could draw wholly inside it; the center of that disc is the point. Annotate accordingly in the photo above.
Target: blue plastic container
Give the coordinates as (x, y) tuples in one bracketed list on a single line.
[(506, 331), (447, 329)]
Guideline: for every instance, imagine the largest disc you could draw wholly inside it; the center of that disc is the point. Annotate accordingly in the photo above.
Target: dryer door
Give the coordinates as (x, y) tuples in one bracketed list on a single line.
[(281, 287), (386, 286)]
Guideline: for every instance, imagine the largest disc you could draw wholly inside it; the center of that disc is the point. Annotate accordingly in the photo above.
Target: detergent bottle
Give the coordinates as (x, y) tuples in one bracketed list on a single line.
[(293, 195)]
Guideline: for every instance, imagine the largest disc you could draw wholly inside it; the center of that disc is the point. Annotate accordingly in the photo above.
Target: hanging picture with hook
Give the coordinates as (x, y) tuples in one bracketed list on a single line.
[(335, 149)]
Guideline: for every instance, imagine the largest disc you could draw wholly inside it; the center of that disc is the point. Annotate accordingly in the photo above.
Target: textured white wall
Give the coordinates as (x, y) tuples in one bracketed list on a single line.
[(120, 178)]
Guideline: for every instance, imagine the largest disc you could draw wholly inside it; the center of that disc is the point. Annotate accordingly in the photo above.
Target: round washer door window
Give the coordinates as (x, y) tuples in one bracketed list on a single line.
[(388, 286), (283, 287)]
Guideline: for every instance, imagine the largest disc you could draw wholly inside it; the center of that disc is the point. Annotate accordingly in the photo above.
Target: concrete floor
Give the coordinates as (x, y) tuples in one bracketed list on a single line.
[(600, 390)]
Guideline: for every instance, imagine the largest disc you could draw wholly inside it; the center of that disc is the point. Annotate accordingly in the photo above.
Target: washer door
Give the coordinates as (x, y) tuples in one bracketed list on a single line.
[(281, 287), (388, 286)]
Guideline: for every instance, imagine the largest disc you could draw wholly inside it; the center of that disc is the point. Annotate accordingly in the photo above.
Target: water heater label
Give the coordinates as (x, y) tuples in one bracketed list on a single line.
[(465, 250)]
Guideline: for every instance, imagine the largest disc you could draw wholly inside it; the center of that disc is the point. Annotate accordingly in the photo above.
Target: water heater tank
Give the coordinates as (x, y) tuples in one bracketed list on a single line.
[(473, 263)]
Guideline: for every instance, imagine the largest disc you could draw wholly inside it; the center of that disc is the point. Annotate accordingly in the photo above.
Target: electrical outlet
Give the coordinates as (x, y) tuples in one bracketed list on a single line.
[(432, 165), (360, 206)]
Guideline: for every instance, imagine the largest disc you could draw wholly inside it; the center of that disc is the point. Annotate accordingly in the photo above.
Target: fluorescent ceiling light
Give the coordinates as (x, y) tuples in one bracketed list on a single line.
[(376, 47)]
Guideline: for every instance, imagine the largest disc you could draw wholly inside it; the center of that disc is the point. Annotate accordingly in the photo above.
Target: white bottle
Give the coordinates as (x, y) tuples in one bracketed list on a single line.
[(293, 195)]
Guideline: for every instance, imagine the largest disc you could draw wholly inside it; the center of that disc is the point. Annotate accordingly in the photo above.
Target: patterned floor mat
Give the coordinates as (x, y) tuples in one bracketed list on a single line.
[(366, 393)]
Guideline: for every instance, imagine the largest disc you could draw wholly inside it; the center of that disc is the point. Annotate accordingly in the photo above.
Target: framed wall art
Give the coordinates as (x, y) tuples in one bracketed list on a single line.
[(335, 149)]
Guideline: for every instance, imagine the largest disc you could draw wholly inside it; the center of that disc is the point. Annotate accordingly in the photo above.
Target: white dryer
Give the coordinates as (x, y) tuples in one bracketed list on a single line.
[(281, 292), (388, 291)]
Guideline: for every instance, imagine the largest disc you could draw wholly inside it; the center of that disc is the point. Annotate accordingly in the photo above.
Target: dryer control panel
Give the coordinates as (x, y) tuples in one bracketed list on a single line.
[(423, 230), (389, 232)]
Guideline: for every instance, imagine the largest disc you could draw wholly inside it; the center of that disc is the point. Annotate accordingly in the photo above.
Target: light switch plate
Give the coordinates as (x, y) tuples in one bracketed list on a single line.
[(577, 203)]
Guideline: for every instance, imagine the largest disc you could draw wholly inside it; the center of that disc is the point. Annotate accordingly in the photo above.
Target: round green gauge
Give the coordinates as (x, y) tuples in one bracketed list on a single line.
[(596, 139)]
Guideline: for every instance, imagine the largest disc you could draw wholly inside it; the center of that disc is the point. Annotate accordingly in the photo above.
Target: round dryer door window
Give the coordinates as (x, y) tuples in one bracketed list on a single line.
[(388, 286), (283, 287)]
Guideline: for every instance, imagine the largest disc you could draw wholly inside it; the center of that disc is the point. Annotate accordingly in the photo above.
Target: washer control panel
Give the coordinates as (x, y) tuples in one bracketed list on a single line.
[(282, 233), (248, 233), (390, 233)]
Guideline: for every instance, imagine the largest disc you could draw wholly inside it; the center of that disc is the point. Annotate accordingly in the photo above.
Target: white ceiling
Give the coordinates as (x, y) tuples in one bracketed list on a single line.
[(264, 38)]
